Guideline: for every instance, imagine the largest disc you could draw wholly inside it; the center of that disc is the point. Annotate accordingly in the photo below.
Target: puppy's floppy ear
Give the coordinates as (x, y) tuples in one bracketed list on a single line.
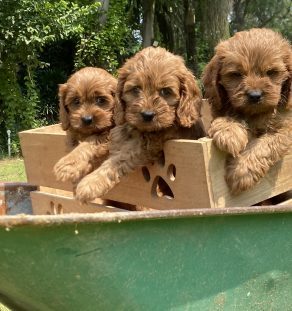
[(286, 92), (119, 109), (63, 110), (188, 110), (213, 90)]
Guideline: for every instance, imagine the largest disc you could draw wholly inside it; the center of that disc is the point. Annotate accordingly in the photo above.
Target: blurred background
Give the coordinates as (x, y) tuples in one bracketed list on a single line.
[(42, 42)]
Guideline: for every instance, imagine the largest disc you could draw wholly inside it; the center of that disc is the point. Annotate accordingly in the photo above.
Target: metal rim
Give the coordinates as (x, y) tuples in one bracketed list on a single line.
[(105, 217)]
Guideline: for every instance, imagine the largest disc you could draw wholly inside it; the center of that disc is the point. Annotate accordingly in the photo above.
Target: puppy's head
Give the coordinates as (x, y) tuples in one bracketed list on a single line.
[(250, 73), (155, 90), (87, 101)]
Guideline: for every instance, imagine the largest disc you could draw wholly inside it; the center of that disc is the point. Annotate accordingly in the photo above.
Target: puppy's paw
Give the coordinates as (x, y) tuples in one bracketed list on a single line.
[(68, 169), (89, 188), (240, 175), (231, 138)]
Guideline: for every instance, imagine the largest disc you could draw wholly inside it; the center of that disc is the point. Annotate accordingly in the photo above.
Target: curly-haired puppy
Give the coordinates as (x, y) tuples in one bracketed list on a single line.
[(86, 101), (248, 83), (157, 100)]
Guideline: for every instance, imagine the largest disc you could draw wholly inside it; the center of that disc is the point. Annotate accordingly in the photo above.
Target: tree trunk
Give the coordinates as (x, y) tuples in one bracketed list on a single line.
[(104, 7), (215, 22), (165, 27), (190, 34), (148, 22), (238, 15)]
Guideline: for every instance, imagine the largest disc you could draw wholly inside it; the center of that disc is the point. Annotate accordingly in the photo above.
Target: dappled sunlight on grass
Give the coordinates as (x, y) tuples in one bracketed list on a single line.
[(12, 170)]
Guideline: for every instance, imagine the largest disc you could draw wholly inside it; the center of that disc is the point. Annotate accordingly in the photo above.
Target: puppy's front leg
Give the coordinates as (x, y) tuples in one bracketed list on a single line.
[(229, 135), (81, 160), (243, 172), (119, 164)]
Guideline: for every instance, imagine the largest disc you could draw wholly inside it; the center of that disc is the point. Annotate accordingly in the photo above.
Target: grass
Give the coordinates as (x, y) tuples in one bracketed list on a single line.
[(12, 169)]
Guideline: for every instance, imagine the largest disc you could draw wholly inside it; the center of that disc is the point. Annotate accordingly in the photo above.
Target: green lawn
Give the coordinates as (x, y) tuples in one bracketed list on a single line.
[(12, 170)]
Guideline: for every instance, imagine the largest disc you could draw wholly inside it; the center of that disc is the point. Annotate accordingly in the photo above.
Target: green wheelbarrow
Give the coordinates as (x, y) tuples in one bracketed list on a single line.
[(204, 259)]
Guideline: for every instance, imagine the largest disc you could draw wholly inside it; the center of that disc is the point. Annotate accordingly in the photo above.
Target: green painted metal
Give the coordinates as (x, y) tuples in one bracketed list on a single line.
[(171, 262)]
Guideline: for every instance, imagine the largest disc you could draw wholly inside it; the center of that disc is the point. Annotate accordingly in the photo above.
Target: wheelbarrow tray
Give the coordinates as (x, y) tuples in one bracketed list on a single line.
[(203, 259)]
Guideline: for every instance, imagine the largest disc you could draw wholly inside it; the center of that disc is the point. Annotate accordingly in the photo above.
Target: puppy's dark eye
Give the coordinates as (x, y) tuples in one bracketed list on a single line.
[(165, 92), (272, 72), (100, 101), (76, 102), (136, 90), (235, 74)]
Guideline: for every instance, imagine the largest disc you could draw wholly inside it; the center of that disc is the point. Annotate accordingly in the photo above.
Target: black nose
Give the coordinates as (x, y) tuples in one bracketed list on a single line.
[(147, 115), (254, 95), (87, 120)]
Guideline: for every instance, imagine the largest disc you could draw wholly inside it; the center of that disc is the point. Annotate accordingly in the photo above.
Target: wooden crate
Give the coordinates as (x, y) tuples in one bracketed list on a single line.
[(41, 149), (191, 175), (46, 203)]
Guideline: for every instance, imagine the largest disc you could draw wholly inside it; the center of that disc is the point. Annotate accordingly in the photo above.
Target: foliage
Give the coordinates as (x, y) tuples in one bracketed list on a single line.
[(43, 41), (31, 33), (106, 44), (26, 27), (262, 13), (173, 23)]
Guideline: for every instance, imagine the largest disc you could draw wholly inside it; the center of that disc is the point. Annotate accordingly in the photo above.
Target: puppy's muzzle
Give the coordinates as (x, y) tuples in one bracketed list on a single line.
[(87, 120), (147, 115), (254, 96)]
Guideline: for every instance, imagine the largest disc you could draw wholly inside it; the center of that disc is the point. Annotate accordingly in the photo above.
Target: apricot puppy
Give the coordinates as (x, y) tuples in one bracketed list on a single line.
[(248, 84), (157, 100), (86, 101)]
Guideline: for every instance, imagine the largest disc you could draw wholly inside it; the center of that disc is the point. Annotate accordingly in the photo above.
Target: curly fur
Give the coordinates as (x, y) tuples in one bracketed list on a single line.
[(153, 81), (86, 101), (248, 84)]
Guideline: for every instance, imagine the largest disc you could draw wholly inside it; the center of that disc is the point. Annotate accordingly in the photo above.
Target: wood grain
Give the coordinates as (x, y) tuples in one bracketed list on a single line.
[(192, 175), (44, 203)]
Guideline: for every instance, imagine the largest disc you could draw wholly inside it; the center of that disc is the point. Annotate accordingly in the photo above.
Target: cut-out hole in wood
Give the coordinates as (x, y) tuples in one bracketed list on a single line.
[(171, 172), (60, 209), (55, 210), (161, 189), (161, 159), (146, 173), (52, 208)]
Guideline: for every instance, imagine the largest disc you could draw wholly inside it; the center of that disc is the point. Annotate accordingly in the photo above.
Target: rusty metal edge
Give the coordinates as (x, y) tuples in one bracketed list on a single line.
[(49, 220), (11, 185)]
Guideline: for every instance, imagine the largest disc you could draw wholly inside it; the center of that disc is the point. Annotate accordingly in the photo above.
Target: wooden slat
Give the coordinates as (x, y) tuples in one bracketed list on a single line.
[(278, 180), (41, 149), (51, 204), (189, 187), (61, 192), (287, 202), (198, 182)]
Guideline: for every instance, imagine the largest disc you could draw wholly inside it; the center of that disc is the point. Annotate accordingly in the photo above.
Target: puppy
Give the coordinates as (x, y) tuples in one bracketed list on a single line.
[(248, 83), (86, 101), (157, 100)]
